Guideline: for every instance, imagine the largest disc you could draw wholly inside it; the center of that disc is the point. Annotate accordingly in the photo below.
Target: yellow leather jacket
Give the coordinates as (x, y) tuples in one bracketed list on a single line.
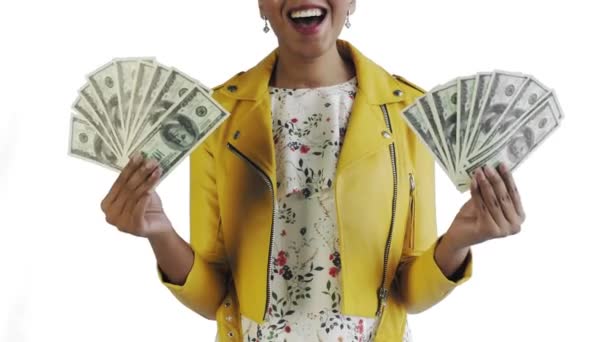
[(384, 193)]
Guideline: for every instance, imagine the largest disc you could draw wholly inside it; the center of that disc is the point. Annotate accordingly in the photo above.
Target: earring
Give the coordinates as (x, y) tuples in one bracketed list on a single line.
[(266, 28), (347, 23)]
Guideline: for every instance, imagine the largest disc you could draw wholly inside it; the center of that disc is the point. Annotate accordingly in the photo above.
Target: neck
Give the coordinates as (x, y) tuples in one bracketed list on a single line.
[(294, 71)]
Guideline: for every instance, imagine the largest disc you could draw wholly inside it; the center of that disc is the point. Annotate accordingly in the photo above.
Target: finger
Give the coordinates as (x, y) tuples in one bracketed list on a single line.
[(143, 190), (141, 175), (476, 196), (482, 208), (128, 170), (507, 176), (490, 199), (504, 199), (150, 183)]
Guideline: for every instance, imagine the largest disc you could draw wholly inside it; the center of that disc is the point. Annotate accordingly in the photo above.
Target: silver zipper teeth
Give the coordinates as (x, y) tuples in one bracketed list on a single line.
[(383, 291), (268, 182)]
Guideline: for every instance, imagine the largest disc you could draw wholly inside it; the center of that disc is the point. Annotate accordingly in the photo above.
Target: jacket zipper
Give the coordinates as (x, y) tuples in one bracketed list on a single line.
[(268, 182), (411, 221), (383, 291)]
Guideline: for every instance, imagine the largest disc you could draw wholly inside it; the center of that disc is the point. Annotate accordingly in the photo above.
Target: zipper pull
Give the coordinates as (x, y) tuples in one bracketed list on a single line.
[(382, 298), (412, 183)]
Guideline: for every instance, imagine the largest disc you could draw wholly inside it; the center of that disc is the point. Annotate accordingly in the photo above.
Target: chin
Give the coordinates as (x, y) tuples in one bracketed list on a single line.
[(311, 48)]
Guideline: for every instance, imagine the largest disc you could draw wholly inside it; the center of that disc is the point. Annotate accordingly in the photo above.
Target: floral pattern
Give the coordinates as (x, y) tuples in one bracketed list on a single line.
[(309, 126)]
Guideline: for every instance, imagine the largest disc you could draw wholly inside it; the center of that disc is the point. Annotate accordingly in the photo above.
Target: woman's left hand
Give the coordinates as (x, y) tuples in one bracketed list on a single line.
[(494, 210)]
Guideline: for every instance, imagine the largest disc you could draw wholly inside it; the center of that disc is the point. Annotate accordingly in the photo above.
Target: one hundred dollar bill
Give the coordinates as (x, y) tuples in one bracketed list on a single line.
[(143, 79), (96, 119), (173, 91), (482, 84), (502, 91), (105, 83), (187, 123), (523, 138), (126, 69), (528, 96), (435, 128), (86, 143), (422, 128), (443, 102), (466, 90)]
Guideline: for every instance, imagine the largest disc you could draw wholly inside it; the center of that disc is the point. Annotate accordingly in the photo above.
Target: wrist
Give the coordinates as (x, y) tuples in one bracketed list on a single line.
[(452, 245), (450, 257), (161, 235)]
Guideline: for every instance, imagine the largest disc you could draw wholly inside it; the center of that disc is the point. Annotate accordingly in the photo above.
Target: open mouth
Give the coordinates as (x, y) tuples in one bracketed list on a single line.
[(307, 18)]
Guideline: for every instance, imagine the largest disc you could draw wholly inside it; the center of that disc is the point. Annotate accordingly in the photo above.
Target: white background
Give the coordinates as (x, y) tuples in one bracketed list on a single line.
[(68, 276)]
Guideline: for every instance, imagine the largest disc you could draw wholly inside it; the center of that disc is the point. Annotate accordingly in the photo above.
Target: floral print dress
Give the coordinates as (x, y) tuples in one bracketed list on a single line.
[(309, 126)]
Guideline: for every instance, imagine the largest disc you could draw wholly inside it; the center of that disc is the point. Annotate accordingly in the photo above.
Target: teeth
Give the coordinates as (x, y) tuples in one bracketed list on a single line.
[(313, 12)]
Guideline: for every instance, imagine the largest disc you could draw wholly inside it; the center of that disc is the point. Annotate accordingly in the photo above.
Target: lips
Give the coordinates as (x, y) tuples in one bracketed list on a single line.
[(307, 19)]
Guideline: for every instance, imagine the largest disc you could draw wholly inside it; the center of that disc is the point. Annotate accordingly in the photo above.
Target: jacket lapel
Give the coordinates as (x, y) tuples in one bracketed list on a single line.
[(366, 133), (251, 132)]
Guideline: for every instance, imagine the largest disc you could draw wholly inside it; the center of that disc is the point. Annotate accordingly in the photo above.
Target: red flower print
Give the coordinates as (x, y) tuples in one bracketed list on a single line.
[(359, 327), (333, 271), (331, 257), (294, 120), (281, 259), (287, 329), (304, 149)]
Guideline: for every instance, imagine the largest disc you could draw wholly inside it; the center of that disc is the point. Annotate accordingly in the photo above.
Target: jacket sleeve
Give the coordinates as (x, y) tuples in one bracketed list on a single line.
[(421, 281), (206, 283)]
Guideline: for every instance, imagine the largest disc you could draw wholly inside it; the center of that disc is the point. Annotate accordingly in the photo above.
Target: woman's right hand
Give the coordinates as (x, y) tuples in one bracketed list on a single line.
[(132, 205)]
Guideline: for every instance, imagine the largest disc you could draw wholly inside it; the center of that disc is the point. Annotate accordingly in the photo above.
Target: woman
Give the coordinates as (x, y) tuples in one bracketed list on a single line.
[(312, 206)]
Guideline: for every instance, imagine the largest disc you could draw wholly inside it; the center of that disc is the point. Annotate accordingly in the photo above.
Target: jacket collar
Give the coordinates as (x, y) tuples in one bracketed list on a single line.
[(366, 133), (376, 86)]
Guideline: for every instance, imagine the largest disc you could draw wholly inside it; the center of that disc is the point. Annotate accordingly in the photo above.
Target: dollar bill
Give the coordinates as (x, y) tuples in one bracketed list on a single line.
[(143, 78), (420, 125), (434, 126), (501, 92), (527, 97), (159, 77), (105, 84), (175, 88), (187, 123), (481, 88), (86, 143), (466, 90), (443, 102), (86, 106), (126, 69), (523, 138)]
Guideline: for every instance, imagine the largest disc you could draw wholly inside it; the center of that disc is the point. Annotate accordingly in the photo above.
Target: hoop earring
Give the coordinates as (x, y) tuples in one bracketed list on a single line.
[(266, 28), (347, 23)]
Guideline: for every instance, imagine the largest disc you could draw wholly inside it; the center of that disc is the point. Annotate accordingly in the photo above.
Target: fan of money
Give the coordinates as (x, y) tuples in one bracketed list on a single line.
[(134, 105), (484, 119)]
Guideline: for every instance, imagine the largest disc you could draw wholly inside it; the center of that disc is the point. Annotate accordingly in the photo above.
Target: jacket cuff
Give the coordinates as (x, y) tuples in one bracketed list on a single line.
[(194, 274), (460, 276)]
